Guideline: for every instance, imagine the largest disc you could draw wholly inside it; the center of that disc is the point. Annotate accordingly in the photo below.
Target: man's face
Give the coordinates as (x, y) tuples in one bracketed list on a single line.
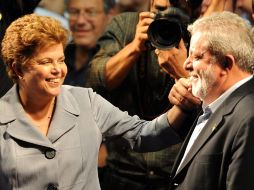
[(87, 21), (204, 70), (159, 5)]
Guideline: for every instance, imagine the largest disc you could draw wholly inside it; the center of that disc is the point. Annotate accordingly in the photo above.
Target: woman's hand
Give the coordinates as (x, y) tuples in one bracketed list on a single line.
[(181, 96)]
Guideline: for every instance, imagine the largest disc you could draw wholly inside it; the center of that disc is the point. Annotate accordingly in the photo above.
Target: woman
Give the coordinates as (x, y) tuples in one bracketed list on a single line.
[(51, 134)]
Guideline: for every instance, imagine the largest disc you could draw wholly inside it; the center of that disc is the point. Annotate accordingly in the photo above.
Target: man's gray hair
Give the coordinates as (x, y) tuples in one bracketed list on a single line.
[(227, 33)]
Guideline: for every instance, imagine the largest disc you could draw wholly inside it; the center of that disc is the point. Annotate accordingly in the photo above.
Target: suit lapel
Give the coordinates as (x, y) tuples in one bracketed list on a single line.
[(213, 125), (203, 137), (183, 147)]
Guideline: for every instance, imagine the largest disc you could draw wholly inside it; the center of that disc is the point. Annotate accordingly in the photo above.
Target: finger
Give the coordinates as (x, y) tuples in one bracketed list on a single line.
[(143, 29), (144, 15), (183, 103), (181, 91)]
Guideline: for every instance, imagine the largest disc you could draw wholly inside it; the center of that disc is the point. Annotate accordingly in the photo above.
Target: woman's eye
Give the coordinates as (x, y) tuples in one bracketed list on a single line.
[(44, 62), (61, 62)]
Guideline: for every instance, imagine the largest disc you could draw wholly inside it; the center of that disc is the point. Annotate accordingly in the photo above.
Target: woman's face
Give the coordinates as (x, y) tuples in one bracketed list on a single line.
[(45, 73)]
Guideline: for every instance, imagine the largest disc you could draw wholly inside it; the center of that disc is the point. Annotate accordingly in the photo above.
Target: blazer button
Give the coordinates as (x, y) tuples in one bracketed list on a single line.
[(50, 153), (52, 187)]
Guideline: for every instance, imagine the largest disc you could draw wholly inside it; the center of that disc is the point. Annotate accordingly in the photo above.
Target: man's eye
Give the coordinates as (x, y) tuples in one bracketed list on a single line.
[(197, 58)]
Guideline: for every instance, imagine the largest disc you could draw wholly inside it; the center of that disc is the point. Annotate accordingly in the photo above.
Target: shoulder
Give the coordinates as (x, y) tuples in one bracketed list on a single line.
[(124, 20), (127, 16), (9, 105), (77, 92), (122, 27)]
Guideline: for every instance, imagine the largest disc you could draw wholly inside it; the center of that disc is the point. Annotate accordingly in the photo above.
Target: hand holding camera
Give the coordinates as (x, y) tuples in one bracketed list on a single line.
[(141, 37)]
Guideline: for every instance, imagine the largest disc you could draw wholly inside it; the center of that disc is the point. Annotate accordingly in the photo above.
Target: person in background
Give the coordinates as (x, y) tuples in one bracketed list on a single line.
[(253, 9), (218, 151), (210, 6), (244, 9), (136, 83), (51, 133), (132, 6), (9, 11), (87, 21), (55, 9)]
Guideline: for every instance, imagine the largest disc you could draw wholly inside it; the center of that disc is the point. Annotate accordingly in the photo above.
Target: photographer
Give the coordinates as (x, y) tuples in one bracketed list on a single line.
[(127, 68), (168, 35)]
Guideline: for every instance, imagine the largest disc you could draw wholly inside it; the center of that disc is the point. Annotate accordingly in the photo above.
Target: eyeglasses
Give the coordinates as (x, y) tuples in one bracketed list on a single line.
[(90, 13)]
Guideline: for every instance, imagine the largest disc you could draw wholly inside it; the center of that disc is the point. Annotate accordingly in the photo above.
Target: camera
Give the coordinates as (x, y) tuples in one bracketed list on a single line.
[(168, 27)]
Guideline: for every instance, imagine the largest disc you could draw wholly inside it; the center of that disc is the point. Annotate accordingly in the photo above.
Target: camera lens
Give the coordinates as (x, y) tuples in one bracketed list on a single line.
[(164, 33)]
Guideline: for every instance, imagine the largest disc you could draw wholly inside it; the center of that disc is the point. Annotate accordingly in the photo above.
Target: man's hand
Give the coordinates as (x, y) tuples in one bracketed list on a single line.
[(180, 95), (141, 36), (172, 60)]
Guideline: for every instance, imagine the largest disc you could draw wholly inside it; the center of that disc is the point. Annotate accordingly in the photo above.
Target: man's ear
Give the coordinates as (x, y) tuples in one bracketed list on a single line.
[(228, 62)]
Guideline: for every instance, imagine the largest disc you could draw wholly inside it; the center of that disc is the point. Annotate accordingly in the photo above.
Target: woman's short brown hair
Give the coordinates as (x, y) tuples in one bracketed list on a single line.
[(26, 36)]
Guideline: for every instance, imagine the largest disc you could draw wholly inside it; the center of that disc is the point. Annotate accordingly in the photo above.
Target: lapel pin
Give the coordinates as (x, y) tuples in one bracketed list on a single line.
[(214, 127)]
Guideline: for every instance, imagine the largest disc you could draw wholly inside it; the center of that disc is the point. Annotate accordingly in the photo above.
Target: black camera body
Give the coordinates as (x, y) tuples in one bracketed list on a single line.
[(168, 27)]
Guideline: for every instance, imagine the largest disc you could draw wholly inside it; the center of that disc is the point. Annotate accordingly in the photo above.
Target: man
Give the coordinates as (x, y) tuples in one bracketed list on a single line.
[(209, 6), (244, 8), (55, 9), (131, 5), (252, 10), (218, 151), (87, 21), (137, 84)]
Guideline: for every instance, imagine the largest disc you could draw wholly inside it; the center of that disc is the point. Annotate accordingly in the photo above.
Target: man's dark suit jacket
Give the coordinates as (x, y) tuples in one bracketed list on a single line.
[(222, 157)]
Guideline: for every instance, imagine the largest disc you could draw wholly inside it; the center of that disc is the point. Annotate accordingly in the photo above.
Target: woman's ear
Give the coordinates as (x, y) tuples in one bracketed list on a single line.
[(17, 70)]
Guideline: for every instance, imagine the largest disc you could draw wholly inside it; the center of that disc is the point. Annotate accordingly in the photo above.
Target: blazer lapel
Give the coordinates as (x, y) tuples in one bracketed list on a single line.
[(183, 147), (213, 124), (19, 127), (65, 116), (203, 137)]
